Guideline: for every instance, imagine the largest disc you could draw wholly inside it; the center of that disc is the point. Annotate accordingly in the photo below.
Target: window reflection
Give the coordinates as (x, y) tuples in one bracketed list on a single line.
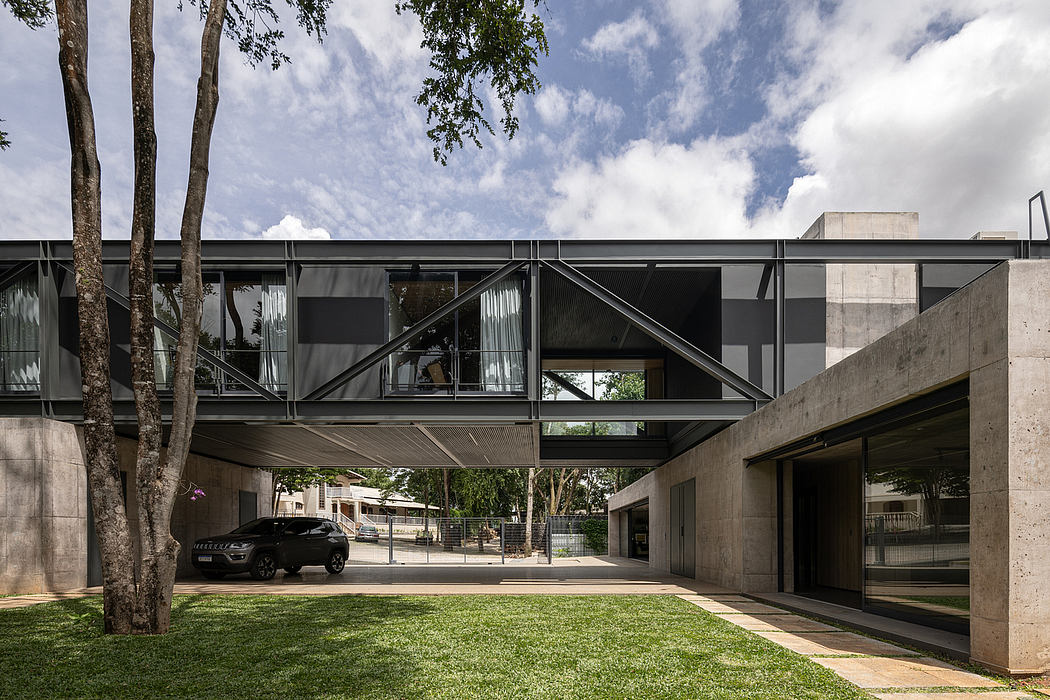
[(477, 349), (599, 385), (243, 321), (20, 336), (917, 522)]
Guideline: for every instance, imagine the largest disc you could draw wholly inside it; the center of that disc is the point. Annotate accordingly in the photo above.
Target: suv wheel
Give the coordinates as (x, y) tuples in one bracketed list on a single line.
[(263, 567), (336, 562), (213, 575), (292, 569)]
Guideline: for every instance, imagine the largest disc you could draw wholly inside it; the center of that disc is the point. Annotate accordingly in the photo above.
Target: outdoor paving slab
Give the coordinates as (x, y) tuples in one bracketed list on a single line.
[(921, 672), (773, 623), (994, 695), (830, 643), (719, 597), (720, 607)]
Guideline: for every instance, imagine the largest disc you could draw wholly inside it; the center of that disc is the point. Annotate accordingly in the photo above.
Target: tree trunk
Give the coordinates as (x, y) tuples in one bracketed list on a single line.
[(448, 509), (160, 550), (140, 263), (528, 511), (570, 495), (111, 526)]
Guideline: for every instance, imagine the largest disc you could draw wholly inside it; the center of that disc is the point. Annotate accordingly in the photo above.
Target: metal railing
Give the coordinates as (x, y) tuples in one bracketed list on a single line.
[(578, 535), (441, 372), (445, 541), (210, 378), (892, 522), (19, 371)]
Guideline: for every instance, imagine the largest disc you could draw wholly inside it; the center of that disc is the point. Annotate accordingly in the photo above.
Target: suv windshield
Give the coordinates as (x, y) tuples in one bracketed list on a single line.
[(262, 526)]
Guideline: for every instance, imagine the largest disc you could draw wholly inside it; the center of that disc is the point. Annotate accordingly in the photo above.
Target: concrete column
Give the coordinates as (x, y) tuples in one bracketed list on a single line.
[(43, 507), (1010, 471)]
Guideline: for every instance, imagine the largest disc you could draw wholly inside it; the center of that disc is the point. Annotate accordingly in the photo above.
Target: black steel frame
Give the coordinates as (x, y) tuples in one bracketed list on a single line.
[(566, 258)]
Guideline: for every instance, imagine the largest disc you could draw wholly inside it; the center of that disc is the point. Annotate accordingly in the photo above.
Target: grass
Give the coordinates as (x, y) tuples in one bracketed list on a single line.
[(405, 647)]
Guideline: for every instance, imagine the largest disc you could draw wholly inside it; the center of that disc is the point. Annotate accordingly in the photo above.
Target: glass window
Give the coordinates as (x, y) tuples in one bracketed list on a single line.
[(20, 336), (748, 324), (917, 522), (805, 323), (600, 384), (638, 532), (300, 527), (243, 321), (940, 280), (478, 349)]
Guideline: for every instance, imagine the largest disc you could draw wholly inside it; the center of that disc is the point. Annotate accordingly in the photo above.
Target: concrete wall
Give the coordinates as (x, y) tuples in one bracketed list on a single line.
[(43, 506), (865, 302), (215, 513), (990, 332)]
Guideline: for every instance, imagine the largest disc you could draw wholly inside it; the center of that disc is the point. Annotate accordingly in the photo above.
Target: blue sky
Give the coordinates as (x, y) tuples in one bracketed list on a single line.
[(657, 119)]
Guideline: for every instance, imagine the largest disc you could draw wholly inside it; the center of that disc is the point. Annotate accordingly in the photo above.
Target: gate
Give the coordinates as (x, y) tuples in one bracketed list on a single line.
[(411, 540)]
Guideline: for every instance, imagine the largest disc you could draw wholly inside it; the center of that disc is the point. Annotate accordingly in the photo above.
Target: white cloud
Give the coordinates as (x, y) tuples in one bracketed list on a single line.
[(695, 24), (655, 190), (556, 104), (631, 38), (552, 104), (292, 228), (957, 130)]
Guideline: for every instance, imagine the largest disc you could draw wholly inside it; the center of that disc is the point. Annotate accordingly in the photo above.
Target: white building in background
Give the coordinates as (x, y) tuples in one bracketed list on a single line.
[(351, 504)]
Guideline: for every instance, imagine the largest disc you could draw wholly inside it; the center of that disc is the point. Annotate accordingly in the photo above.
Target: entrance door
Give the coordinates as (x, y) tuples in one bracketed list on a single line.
[(683, 529), (827, 517)]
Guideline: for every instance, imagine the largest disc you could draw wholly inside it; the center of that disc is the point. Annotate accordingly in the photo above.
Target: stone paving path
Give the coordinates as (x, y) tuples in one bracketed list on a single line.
[(890, 672)]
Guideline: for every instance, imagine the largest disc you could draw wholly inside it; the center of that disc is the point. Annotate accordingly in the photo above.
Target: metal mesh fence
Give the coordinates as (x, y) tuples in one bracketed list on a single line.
[(578, 535), (392, 540)]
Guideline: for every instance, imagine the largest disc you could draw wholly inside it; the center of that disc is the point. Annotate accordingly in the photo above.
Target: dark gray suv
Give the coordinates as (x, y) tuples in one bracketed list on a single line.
[(262, 546)]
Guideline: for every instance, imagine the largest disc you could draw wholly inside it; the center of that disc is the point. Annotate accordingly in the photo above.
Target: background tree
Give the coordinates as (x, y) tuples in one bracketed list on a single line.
[(495, 43)]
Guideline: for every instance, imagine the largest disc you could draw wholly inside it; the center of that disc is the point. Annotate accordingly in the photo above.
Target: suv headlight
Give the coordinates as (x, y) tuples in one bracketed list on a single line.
[(240, 545)]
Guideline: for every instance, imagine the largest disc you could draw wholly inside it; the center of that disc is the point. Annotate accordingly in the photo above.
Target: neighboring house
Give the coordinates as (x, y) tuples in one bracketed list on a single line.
[(352, 505)]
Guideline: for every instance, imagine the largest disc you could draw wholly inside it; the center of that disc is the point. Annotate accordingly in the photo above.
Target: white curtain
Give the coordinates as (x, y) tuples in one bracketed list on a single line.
[(273, 365), (501, 341), (164, 351), (20, 336)]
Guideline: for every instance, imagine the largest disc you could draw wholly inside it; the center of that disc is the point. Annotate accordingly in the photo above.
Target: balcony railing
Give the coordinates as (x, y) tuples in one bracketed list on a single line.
[(452, 372), (19, 371), (211, 379)]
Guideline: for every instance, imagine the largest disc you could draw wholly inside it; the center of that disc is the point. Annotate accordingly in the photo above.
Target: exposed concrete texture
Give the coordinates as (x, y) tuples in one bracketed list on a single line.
[(990, 331), (44, 504), (864, 224), (43, 507), (215, 513), (865, 302)]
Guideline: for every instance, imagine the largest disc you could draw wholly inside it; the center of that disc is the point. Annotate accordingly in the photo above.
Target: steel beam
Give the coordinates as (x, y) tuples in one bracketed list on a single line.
[(390, 346), (430, 411), (661, 334), (648, 410), (570, 449), (693, 434), (12, 275), (576, 252)]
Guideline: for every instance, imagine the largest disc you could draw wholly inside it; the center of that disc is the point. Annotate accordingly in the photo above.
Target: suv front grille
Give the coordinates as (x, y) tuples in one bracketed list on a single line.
[(211, 546)]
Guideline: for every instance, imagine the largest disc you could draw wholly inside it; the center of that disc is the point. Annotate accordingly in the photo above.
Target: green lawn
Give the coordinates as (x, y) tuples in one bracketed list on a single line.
[(405, 647)]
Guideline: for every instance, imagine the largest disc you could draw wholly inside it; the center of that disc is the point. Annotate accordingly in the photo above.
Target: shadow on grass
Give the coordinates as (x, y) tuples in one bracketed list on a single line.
[(234, 646)]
